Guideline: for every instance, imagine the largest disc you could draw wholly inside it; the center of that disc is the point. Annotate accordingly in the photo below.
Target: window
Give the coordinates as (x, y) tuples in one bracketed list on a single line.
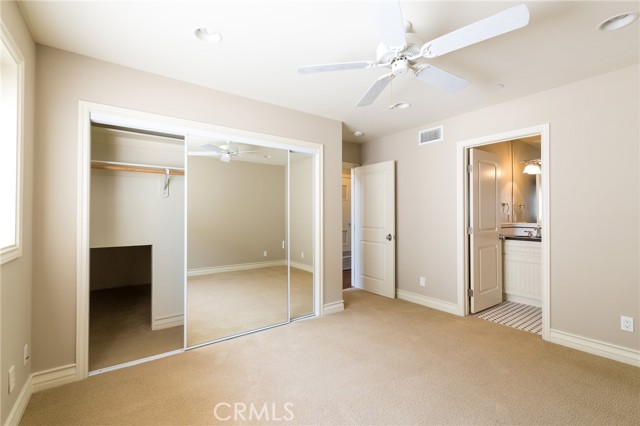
[(11, 81)]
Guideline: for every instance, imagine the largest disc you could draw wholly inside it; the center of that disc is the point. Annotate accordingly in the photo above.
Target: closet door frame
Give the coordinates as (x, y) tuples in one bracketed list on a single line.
[(89, 113)]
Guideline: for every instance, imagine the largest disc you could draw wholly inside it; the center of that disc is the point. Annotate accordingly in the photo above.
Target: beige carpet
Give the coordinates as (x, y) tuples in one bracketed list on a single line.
[(380, 362), (224, 304), (120, 327)]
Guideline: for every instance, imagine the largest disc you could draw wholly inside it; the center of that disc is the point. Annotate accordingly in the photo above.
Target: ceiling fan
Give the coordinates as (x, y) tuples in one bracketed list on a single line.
[(225, 151), (402, 51)]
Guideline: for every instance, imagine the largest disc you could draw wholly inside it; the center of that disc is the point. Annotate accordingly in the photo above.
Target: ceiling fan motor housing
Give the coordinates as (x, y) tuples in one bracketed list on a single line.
[(400, 67), (384, 55)]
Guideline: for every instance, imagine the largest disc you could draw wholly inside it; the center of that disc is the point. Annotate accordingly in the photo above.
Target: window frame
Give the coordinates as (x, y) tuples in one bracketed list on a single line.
[(14, 251)]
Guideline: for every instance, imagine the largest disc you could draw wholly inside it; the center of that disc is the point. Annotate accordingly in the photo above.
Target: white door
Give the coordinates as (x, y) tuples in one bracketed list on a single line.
[(374, 240), (484, 239)]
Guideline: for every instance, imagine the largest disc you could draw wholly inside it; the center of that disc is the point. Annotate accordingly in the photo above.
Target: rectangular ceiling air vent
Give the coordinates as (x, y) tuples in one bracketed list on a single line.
[(435, 134)]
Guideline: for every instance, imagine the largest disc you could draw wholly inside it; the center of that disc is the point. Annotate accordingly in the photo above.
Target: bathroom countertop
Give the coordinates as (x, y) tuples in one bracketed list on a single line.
[(522, 238)]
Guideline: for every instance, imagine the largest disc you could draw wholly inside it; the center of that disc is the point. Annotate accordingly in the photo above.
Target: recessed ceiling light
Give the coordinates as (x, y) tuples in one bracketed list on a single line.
[(618, 21), (400, 105), (497, 86), (358, 133), (208, 35)]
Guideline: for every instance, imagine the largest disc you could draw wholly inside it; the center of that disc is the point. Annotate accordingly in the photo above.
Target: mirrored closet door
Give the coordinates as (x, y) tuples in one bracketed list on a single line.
[(249, 238), (301, 256)]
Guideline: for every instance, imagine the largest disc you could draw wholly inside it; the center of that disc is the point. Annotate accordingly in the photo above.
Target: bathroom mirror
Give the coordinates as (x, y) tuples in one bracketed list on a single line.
[(250, 238), (520, 192), (525, 205)]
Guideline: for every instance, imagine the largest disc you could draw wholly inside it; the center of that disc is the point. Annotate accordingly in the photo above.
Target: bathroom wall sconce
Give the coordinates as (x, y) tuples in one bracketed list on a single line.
[(532, 167)]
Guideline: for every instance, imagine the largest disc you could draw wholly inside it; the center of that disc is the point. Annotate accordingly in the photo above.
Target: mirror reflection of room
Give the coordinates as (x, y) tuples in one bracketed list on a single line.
[(137, 226), (237, 233), (301, 234)]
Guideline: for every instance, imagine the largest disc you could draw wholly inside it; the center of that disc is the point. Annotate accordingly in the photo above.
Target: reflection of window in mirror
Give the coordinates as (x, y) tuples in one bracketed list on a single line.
[(11, 81)]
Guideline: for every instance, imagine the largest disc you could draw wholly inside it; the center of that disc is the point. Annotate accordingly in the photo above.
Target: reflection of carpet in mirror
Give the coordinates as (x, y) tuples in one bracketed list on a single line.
[(120, 327), (228, 303)]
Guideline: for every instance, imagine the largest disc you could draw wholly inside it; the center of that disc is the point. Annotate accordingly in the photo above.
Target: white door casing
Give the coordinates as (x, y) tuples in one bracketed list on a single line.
[(484, 239), (374, 228)]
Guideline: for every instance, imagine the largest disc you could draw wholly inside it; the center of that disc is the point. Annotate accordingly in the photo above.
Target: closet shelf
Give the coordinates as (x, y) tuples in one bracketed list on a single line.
[(136, 168)]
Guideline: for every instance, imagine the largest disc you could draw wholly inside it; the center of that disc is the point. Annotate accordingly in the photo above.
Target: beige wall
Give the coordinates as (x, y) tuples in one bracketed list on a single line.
[(236, 211), (594, 125), (63, 79), (16, 275), (351, 152)]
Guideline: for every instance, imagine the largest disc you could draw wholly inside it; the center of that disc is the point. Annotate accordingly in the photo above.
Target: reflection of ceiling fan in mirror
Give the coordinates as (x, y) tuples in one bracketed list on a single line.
[(225, 151), (403, 52)]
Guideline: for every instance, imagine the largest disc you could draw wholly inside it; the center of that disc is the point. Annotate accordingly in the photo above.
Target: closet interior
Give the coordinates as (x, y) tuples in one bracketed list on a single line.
[(137, 241)]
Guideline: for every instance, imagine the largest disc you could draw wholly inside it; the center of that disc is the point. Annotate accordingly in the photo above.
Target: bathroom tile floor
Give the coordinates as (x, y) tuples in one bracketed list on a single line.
[(516, 315)]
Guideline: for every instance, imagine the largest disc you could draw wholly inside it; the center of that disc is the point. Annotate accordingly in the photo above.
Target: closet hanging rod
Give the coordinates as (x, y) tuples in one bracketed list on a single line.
[(138, 168)]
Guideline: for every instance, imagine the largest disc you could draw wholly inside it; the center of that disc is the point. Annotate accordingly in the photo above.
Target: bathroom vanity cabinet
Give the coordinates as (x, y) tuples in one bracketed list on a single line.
[(522, 271)]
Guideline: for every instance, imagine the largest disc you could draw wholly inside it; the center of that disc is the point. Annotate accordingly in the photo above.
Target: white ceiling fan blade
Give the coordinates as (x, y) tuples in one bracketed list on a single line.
[(375, 90), (440, 78), (387, 17), (503, 22), (359, 65)]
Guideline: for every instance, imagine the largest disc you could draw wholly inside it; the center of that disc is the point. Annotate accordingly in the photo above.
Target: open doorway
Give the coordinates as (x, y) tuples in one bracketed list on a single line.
[(504, 228), (347, 221)]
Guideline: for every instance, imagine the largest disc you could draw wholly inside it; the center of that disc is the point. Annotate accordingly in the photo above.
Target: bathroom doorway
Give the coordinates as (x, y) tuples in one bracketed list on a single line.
[(347, 221), (518, 207)]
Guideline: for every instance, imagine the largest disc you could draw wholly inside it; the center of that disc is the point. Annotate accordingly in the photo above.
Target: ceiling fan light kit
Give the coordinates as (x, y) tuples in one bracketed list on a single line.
[(402, 51)]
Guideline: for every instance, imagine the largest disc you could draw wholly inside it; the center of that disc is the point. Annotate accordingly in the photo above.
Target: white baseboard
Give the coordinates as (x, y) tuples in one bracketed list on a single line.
[(429, 302), (36, 382), (232, 268), (298, 265), (596, 347), (333, 308), (167, 322), (522, 299), (15, 415), (54, 377)]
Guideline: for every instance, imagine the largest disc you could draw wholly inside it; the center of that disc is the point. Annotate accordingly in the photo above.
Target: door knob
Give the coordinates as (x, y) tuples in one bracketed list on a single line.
[(389, 237)]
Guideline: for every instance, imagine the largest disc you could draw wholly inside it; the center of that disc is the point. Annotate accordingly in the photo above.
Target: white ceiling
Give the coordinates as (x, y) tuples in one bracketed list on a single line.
[(264, 42)]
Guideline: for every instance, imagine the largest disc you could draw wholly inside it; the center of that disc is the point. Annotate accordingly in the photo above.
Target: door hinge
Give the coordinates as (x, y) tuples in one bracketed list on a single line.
[(470, 292), (469, 168), (469, 230)]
